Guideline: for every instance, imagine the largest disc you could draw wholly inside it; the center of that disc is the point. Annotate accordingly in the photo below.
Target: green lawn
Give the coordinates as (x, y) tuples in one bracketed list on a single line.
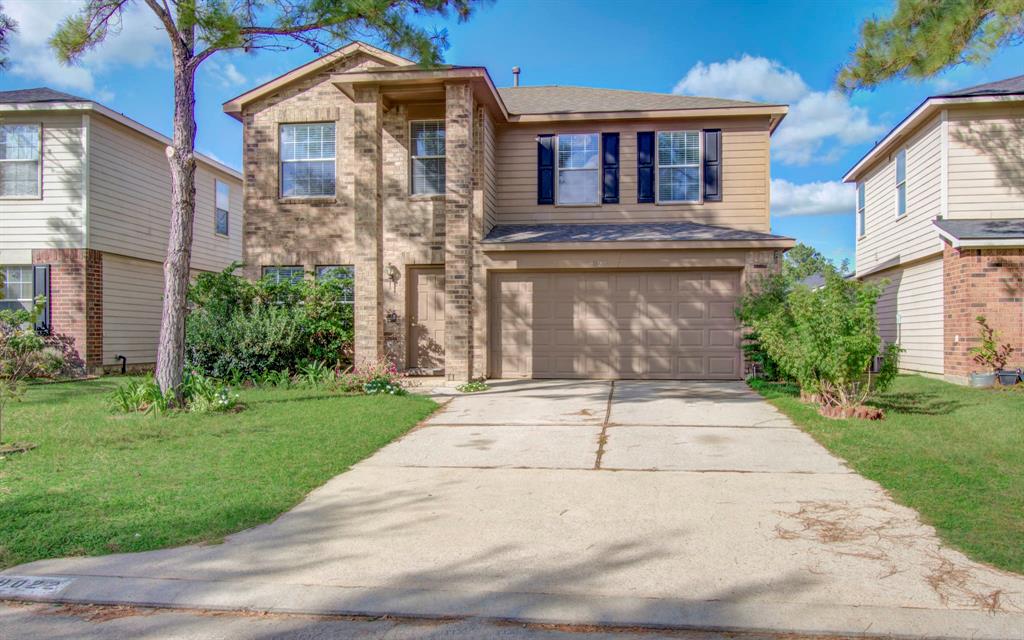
[(101, 483), (953, 453)]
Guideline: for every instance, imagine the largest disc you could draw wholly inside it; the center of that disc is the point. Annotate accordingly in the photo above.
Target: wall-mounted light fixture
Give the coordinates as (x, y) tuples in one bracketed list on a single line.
[(392, 273)]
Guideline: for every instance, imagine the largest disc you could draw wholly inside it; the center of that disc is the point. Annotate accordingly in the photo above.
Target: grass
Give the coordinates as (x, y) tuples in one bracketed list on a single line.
[(101, 483), (953, 453)]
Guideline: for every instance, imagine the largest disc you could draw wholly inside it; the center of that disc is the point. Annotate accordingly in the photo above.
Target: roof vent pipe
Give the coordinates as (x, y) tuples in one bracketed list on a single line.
[(515, 76)]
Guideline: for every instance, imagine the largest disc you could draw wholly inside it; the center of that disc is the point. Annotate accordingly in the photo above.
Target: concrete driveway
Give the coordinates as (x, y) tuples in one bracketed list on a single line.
[(628, 503)]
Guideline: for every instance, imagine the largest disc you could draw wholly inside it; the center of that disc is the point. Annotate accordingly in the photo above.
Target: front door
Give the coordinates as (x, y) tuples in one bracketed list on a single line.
[(426, 320)]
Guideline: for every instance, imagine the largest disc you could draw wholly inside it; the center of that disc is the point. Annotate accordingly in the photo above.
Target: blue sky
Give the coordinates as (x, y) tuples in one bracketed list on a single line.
[(773, 51)]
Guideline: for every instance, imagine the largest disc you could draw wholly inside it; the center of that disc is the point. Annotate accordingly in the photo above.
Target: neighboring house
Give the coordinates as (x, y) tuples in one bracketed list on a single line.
[(84, 213), (540, 232), (940, 214)]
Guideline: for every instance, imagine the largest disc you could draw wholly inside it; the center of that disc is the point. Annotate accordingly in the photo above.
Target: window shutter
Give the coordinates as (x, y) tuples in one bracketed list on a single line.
[(645, 166), (41, 287), (713, 164), (610, 168), (546, 169)]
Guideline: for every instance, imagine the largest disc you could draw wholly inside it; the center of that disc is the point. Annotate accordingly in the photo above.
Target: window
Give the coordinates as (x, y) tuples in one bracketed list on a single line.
[(678, 166), (222, 207), (579, 162), (860, 209), (343, 272), (16, 287), (427, 156), (277, 275), (19, 160), (307, 160), (901, 182)]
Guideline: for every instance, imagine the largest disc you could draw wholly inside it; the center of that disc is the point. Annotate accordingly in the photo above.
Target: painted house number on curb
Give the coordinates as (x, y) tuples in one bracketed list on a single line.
[(32, 585)]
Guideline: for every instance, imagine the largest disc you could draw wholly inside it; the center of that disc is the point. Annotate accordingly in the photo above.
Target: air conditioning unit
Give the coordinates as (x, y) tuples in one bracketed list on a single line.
[(876, 364)]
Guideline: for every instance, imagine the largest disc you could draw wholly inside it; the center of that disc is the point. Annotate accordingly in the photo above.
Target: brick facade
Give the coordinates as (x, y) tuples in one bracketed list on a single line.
[(76, 299), (988, 282), (458, 254)]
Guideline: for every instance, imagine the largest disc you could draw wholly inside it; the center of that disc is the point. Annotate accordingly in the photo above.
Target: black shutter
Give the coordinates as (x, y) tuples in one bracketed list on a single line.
[(610, 168), (41, 287), (546, 169), (645, 166), (713, 164)]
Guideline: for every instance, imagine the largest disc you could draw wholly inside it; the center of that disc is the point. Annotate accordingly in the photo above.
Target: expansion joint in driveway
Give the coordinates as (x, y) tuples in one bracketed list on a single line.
[(603, 438)]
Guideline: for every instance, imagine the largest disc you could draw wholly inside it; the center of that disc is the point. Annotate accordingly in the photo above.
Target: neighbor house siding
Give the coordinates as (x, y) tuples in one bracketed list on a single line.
[(986, 161), (132, 303), (130, 195), (890, 240), (910, 314), (55, 220), (745, 173)]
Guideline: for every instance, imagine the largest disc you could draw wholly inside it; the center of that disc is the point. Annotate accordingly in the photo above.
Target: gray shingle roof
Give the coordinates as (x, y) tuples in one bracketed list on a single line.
[(39, 94), (560, 99), (1007, 229), (632, 232), (1009, 86)]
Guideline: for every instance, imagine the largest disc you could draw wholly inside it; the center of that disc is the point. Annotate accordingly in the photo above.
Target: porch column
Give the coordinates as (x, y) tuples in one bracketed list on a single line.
[(458, 256), (368, 208)]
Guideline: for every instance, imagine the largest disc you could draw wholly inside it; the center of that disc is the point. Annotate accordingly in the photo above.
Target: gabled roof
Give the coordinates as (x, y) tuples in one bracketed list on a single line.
[(567, 99), (982, 233), (39, 94), (660, 232), (1007, 87)]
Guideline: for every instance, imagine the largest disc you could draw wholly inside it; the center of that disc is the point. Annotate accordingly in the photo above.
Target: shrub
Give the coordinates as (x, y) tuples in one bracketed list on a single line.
[(201, 394), (381, 377), (989, 353), (140, 395), (316, 374), (23, 354)]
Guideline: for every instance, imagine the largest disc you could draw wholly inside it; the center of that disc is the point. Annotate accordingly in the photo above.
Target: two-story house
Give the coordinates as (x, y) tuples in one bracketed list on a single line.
[(85, 201), (940, 215), (542, 231)]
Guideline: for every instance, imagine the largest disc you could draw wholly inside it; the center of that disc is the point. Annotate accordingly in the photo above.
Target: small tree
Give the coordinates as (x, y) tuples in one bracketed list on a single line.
[(23, 354), (990, 354)]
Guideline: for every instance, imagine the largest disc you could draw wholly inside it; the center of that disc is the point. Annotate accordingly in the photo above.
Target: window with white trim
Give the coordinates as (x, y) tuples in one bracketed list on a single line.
[(901, 182), (16, 287), (222, 207), (426, 155), (579, 167), (277, 275), (678, 166), (20, 146), (860, 210), (307, 160), (343, 272)]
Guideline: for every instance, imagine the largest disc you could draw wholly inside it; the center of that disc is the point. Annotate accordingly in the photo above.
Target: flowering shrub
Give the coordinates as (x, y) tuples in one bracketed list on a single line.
[(380, 377), (473, 386)]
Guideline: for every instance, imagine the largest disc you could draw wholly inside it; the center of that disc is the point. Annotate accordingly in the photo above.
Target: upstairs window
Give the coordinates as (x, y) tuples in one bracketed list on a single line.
[(427, 157), (16, 287), (579, 163), (678, 166), (277, 275), (20, 175), (901, 182), (307, 160), (222, 207), (860, 209)]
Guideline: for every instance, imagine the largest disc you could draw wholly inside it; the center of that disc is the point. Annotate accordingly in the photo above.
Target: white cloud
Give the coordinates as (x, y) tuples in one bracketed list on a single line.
[(811, 199), (140, 42), (225, 73), (820, 124)]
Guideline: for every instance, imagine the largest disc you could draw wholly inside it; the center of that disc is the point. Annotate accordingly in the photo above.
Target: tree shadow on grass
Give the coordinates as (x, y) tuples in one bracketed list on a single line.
[(917, 403)]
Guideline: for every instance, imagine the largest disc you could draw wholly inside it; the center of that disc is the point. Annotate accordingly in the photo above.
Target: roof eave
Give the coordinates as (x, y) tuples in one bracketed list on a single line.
[(626, 245), (775, 112)]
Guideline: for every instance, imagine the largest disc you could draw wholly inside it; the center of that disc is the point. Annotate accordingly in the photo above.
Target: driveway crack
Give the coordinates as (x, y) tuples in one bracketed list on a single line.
[(603, 438)]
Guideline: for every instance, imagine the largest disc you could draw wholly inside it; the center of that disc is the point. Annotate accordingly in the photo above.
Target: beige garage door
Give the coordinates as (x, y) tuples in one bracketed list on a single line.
[(652, 324)]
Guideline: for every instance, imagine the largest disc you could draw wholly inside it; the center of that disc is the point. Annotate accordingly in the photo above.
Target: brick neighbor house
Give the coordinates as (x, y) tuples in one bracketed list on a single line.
[(85, 202), (940, 215), (531, 231)]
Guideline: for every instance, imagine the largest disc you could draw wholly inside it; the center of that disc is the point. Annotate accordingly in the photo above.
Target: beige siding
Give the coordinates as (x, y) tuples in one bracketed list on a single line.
[(55, 220), (910, 314), (986, 161), (129, 196), (132, 302), (889, 240), (745, 181)]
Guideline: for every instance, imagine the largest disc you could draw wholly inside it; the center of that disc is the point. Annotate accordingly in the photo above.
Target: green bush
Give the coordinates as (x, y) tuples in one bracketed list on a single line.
[(240, 330), (473, 386), (202, 394)]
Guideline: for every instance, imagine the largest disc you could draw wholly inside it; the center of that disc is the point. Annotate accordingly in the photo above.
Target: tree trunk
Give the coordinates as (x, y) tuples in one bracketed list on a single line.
[(170, 358)]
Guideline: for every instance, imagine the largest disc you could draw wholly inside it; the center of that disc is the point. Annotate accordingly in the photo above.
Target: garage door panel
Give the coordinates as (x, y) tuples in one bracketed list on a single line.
[(664, 324)]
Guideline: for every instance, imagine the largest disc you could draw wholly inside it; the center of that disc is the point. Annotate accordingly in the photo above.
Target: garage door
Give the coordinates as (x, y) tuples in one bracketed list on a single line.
[(615, 324)]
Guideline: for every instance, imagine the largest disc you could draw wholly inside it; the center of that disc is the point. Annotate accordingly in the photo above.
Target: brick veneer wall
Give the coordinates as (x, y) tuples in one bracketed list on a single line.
[(988, 282), (458, 254), (76, 299)]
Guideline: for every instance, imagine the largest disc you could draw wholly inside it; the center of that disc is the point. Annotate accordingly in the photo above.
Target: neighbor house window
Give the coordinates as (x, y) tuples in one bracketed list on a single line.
[(427, 156), (277, 275), (901, 182), (860, 209), (678, 166), (307, 160), (16, 287), (579, 165), (342, 272), (222, 207), (19, 160)]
